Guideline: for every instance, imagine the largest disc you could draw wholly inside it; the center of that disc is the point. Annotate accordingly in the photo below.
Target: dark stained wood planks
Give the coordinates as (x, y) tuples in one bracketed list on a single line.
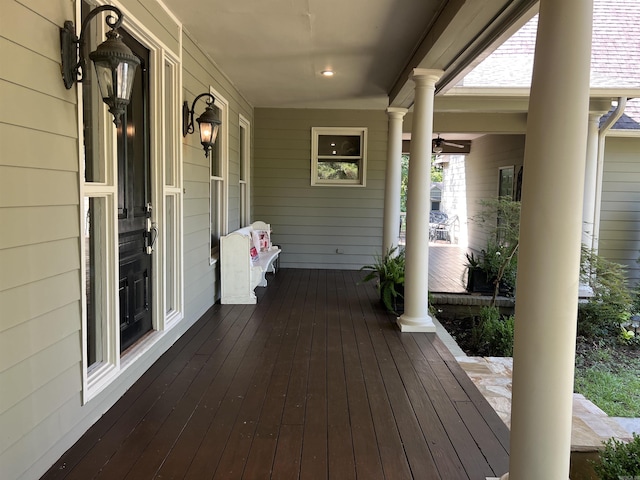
[(313, 382)]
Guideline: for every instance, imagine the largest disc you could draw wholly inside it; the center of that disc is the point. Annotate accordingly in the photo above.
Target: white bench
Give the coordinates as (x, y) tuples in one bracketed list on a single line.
[(239, 275)]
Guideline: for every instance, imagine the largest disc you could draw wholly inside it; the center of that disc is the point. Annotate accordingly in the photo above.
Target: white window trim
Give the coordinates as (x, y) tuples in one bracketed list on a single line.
[(223, 137), (315, 133), (245, 165), (170, 133), (97, 377)]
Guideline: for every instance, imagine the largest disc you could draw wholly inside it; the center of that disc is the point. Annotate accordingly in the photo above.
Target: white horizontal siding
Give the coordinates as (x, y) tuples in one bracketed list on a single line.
[(620, 207), (620, 210), (21, 187), (36, 370), (30, 412), (27, 148), (38, 224), (42, 332), (36, 298), (488, 154), (35, 262), (319, 226), (199, 72)]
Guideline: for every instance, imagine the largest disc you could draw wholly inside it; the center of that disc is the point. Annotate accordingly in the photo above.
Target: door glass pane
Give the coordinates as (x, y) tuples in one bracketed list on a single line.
[(170, 246), (243, 205), (170, 127), (216, 152), (216, 215), (95, 268), (244, 167), (243, 154)]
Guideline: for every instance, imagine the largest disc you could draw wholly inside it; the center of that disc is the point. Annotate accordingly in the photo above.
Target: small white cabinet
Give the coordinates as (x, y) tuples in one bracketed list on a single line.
[(239, 274)]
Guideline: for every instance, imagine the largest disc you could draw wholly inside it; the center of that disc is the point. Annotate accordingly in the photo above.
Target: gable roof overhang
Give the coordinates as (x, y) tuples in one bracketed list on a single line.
[(463, 41), (500, 81)]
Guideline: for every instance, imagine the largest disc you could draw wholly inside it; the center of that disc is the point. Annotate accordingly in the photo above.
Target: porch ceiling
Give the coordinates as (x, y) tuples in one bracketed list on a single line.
[(274, 51)]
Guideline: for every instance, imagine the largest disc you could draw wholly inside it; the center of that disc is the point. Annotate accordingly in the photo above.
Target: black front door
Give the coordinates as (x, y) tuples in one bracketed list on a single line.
[(134, 207)]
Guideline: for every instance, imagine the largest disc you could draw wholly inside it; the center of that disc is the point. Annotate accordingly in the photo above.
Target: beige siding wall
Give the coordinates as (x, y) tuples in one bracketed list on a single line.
[(40, 319), (620, 213), (199, 73), (488, 154), (41, 411), (319, 226)]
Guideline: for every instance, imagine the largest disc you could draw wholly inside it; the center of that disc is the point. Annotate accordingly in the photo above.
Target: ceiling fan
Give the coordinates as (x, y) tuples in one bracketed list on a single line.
[(439, 143)]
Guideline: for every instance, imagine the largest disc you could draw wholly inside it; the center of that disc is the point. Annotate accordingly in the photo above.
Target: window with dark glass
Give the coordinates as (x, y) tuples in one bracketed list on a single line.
[(338, 156)]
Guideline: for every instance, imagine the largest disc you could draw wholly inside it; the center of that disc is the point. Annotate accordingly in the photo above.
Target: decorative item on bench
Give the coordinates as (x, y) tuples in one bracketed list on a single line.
[(262, 240), (253, 252), (246, 256), (254, 248)]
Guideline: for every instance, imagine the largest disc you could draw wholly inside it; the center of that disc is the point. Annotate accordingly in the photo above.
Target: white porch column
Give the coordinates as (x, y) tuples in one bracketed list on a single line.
[(550, 233), (590, 178), (391, 227), (416, 280)]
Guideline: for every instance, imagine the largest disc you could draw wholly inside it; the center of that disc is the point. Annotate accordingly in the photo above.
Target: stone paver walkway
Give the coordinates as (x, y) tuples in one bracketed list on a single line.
[(591, 426), (492, 376)]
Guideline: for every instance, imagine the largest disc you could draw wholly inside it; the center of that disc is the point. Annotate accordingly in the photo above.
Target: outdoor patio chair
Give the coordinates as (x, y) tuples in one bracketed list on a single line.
[(436, 218), (443, 231)]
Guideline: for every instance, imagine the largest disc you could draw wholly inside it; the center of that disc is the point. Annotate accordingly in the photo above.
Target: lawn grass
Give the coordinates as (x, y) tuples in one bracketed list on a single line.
[(611, 380)]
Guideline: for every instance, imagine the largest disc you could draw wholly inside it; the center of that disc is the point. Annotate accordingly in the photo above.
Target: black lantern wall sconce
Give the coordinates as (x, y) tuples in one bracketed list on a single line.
[(208, 122), (115, 62)]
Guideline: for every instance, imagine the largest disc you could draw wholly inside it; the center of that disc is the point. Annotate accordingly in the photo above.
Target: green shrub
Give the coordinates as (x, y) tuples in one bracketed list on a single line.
[(492, 335), (499, 219), (611, 302), (619, 460)]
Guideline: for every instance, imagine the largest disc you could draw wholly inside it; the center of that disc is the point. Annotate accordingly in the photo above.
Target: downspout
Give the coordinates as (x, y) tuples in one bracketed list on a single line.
[(602, 134)]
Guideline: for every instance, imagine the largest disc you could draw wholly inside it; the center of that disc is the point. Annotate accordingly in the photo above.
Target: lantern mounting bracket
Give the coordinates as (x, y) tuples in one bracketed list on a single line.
[(73, 61), (187, 113), (208, 122), (115, 63)]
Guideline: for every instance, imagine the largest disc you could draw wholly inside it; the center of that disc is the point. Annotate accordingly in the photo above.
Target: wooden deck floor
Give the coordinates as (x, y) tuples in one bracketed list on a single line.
[(314, 382), (447, 271)]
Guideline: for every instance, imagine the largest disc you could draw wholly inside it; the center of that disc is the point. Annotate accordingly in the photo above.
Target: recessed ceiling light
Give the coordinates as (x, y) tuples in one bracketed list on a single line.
[(327, 73)]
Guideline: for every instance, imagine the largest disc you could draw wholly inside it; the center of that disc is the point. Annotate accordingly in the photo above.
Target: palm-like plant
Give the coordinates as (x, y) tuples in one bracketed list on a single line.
[(388, 269)]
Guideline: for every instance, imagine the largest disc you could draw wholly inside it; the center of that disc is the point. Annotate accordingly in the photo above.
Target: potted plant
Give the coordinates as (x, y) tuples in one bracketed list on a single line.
[(495, 267), (388, 270), (493, 271), (478, 278)]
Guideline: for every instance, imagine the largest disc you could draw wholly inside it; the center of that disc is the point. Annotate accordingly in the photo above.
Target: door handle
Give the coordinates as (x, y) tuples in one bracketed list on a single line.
[(151, 235), (150, 230)]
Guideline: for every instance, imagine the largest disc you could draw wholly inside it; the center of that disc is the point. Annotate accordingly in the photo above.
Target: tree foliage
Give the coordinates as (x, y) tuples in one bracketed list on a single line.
[(436, 176)]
